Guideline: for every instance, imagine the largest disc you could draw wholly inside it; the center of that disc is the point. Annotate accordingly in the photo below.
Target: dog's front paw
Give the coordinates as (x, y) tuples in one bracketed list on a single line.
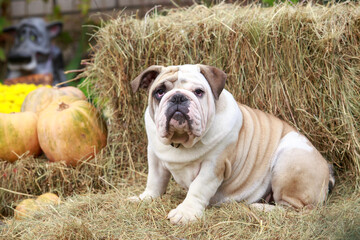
[(144, 196), (184, 213), (134, 199)]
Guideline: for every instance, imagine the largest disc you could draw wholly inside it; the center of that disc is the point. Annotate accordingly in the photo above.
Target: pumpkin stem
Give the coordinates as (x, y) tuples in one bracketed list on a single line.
[(63, 106)]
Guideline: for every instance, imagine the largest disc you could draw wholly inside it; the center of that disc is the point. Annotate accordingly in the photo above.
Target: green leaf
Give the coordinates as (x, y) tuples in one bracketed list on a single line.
[(84, 7), (2, 23), (268, 3), (2, 55)]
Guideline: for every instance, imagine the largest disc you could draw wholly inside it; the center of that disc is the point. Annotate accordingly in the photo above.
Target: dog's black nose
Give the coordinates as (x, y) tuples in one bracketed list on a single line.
[(178, 98)]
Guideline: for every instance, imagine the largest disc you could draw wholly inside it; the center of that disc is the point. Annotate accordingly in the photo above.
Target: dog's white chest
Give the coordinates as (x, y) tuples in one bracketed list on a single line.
[(183, 173)]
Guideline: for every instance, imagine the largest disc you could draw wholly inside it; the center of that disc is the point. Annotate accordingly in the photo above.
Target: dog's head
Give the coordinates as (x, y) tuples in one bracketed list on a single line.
[(181, 100)]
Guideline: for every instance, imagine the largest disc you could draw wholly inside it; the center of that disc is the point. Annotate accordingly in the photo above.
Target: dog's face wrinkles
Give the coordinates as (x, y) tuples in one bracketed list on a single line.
[(181, 109)]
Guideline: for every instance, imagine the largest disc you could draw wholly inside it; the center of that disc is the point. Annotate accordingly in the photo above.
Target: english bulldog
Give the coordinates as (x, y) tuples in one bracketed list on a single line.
[(220, 150)]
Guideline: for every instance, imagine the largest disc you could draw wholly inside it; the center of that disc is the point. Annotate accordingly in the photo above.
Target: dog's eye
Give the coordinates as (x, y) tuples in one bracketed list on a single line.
[(199, 92), (159, 93)]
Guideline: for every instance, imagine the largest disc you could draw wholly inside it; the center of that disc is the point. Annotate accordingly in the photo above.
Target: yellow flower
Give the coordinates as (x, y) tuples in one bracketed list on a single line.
[(12, 96)]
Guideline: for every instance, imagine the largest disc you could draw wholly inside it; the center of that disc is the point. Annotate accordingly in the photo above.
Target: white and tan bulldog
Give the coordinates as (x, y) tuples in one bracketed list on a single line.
[(220, 150)]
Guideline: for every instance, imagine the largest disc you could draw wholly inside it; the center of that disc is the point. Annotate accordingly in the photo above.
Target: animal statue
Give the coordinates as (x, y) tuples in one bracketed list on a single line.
[(32, 53)]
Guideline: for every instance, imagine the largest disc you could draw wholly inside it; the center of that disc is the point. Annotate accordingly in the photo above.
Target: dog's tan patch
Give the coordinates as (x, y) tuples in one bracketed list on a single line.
[(300, 178), (223, 164), (258, 139)]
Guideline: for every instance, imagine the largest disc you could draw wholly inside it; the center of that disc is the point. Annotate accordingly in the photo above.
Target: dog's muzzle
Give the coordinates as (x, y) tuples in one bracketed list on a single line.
[(179, 119), (177, 113)]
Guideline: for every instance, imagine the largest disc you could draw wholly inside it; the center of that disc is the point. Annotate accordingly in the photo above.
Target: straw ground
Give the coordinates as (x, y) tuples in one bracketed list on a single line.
[(111, 216)]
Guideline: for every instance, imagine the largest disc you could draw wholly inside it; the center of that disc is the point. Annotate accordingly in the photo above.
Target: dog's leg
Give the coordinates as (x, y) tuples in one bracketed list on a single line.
[(265, 207), (200, 192), (157, 180), (300, 178)]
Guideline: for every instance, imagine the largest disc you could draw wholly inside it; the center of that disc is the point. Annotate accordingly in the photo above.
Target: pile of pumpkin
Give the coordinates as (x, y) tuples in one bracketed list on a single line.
[(29, 206), (56, 121)]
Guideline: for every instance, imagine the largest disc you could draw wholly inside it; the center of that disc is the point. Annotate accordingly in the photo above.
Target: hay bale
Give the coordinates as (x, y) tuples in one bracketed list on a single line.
[(30, 177), (300, 63)]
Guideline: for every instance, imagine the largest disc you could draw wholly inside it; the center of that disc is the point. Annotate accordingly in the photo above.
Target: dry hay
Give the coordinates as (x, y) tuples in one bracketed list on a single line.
[(30, 177), (300, 63), (111, 216)]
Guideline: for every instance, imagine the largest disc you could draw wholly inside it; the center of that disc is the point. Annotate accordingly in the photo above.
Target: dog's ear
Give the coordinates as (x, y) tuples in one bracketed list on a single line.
[(54, 29), (146, 78), (10, 30), (215, 77)]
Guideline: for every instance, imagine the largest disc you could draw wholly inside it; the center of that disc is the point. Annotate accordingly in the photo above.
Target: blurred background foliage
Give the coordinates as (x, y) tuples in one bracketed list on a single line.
[(3, 23)]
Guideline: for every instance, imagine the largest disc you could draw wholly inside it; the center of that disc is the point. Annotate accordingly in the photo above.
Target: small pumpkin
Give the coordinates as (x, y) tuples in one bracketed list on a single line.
[(25, 208), (48, 199), (71, 130), (18, 135), (28, 206), (39, 99)]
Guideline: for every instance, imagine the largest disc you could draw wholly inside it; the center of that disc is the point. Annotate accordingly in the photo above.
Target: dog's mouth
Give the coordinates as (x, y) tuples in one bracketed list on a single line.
[(179, 120), (178, 127)]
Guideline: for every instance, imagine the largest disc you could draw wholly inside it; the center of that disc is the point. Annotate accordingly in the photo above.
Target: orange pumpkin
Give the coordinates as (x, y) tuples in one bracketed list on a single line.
[(25, 209), (48, 199), (71, 130), (18, 135), (39, 99)]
